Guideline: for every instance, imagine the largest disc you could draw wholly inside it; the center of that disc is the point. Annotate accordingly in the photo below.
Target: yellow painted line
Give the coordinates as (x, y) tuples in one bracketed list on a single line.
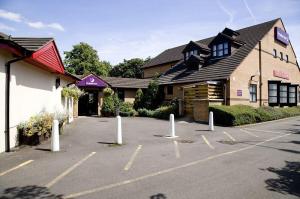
[(118, 184), (264, 131), (207, 142), (132, 158), (249, 133), (177, 153), (16, 167), (66, 172), (228, 135)]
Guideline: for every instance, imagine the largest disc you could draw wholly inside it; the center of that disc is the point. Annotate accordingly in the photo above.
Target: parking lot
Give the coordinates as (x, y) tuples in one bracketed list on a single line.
[(257, 161)]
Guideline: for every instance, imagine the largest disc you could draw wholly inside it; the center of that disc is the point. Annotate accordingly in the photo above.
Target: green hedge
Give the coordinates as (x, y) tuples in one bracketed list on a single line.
[(162, 112), (241, 114), (127, 110)]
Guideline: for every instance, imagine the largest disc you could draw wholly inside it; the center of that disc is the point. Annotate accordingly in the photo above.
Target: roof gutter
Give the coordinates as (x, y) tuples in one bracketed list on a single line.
[(7, 100)]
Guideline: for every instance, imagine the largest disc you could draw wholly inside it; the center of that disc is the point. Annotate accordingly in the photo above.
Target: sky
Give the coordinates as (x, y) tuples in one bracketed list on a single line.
[(128, 29)]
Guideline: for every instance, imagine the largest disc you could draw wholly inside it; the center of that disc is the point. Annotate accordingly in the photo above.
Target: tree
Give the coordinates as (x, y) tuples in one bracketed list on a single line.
[(83, 59), (129, 68)]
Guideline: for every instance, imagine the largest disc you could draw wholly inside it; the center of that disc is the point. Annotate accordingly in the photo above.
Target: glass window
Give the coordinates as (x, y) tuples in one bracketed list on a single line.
[(272, 93), (220, 49), (253, 92), (170, 90), (287, 58), (292, 95), (214, 50), (281, 56), (283, 94), (274, 53), (226, 48), (195, 52)]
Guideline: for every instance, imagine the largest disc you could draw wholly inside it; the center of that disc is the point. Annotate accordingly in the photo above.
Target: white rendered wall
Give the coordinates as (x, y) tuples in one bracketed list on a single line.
[(32, 91)]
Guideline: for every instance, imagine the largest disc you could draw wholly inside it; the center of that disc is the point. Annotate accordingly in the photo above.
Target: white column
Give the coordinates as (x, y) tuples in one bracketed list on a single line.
[(172, 126), (119, 130), (55, 136), (211, 121)]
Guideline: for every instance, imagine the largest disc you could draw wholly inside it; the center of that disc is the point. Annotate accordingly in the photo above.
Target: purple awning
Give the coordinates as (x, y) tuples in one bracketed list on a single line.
[(92, 81)]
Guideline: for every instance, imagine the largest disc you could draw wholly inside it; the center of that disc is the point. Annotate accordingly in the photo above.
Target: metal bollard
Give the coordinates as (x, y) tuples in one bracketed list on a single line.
[(119, 130), (172, 126), (55, 136), (211, 121)]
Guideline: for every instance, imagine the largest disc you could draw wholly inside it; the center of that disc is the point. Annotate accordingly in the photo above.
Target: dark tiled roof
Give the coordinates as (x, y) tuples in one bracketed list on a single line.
[(118, 82), (173, 54), (221, 68), (31, 44)]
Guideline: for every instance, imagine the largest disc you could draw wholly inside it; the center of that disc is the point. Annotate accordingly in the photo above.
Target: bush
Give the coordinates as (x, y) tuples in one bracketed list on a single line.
[(162, 112), (138, 101), (110, 102), (240, 114), (127, 110)]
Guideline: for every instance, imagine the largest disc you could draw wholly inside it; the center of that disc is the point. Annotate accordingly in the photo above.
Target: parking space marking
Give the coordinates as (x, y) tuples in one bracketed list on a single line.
[(264, 131), (177, 153), (196, 162), (228, 135), (207, 142), (132, 158), (249, 133), (16, 167), (66, 172)]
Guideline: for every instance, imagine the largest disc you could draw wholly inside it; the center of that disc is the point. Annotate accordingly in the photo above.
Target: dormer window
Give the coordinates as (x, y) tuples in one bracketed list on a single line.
[(220, 50), (189, 53)]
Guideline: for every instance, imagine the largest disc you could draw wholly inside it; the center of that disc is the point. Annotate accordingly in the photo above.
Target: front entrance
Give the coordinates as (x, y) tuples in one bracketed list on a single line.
[(88, 103)]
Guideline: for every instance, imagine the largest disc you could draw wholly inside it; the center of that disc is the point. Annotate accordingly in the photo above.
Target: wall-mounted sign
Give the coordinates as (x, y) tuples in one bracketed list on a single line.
[(92, 81), (281, 74), (281, 36), (239, 93)]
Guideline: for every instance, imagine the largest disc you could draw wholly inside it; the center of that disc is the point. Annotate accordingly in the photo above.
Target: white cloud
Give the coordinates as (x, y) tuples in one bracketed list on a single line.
[(41, 25), (10, 15), (4, 27)]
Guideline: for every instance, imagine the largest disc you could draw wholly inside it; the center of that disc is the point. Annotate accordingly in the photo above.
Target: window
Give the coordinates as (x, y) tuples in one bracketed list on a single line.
[(292, 95), (214, 50), (287, 58), (283, 94), (220, 49), (121, 94), (170, 90), (253, 92), (281, 56), (273, 93), (274, 53)]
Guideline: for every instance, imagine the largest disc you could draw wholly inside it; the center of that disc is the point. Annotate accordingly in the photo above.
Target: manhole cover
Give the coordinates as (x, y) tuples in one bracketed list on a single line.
[(228, 142), (186, 141)]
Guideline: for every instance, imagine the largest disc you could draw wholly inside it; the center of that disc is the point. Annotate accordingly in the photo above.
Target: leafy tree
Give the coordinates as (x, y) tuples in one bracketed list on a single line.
[(129, 68), (83, 59)]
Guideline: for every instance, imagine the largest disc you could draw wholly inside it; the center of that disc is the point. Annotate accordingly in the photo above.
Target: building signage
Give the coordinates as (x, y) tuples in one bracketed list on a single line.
[(281, 74), (239, 93), (281, 36), (92, 81)]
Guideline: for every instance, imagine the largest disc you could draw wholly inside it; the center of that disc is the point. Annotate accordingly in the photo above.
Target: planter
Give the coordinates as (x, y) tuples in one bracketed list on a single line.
[(33, 140)]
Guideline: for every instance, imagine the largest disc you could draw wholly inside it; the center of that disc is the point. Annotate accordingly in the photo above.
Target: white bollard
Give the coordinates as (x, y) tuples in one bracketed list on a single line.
[(172, 126), (55, 136), (119, 130), (211, 121)]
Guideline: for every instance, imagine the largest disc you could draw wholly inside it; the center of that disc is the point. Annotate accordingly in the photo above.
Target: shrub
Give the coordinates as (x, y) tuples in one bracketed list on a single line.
[(127, 110), (138, 101), (110, 102), (241, 114), (162, 112), (143, 112)]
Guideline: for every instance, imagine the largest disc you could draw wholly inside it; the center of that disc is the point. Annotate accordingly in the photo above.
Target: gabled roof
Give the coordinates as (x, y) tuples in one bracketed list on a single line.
[(175, 54), (193, 44), (31, 43), (218, 69)]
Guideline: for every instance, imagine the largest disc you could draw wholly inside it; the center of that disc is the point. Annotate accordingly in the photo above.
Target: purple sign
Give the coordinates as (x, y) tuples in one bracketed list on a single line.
[(91, 81), (239, 93), (281, 35)]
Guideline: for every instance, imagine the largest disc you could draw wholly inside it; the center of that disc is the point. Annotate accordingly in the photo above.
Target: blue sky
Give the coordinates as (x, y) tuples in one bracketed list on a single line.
[(139, 28)]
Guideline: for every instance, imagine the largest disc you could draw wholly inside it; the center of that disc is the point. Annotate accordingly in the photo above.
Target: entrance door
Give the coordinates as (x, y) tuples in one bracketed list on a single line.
[(88, 103)]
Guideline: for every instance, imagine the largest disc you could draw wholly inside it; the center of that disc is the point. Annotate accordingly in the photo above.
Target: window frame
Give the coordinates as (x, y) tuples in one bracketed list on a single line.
[(218, 50), (253, 93), (287, 58), (274, 53), (277, 93), (281, 56)]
